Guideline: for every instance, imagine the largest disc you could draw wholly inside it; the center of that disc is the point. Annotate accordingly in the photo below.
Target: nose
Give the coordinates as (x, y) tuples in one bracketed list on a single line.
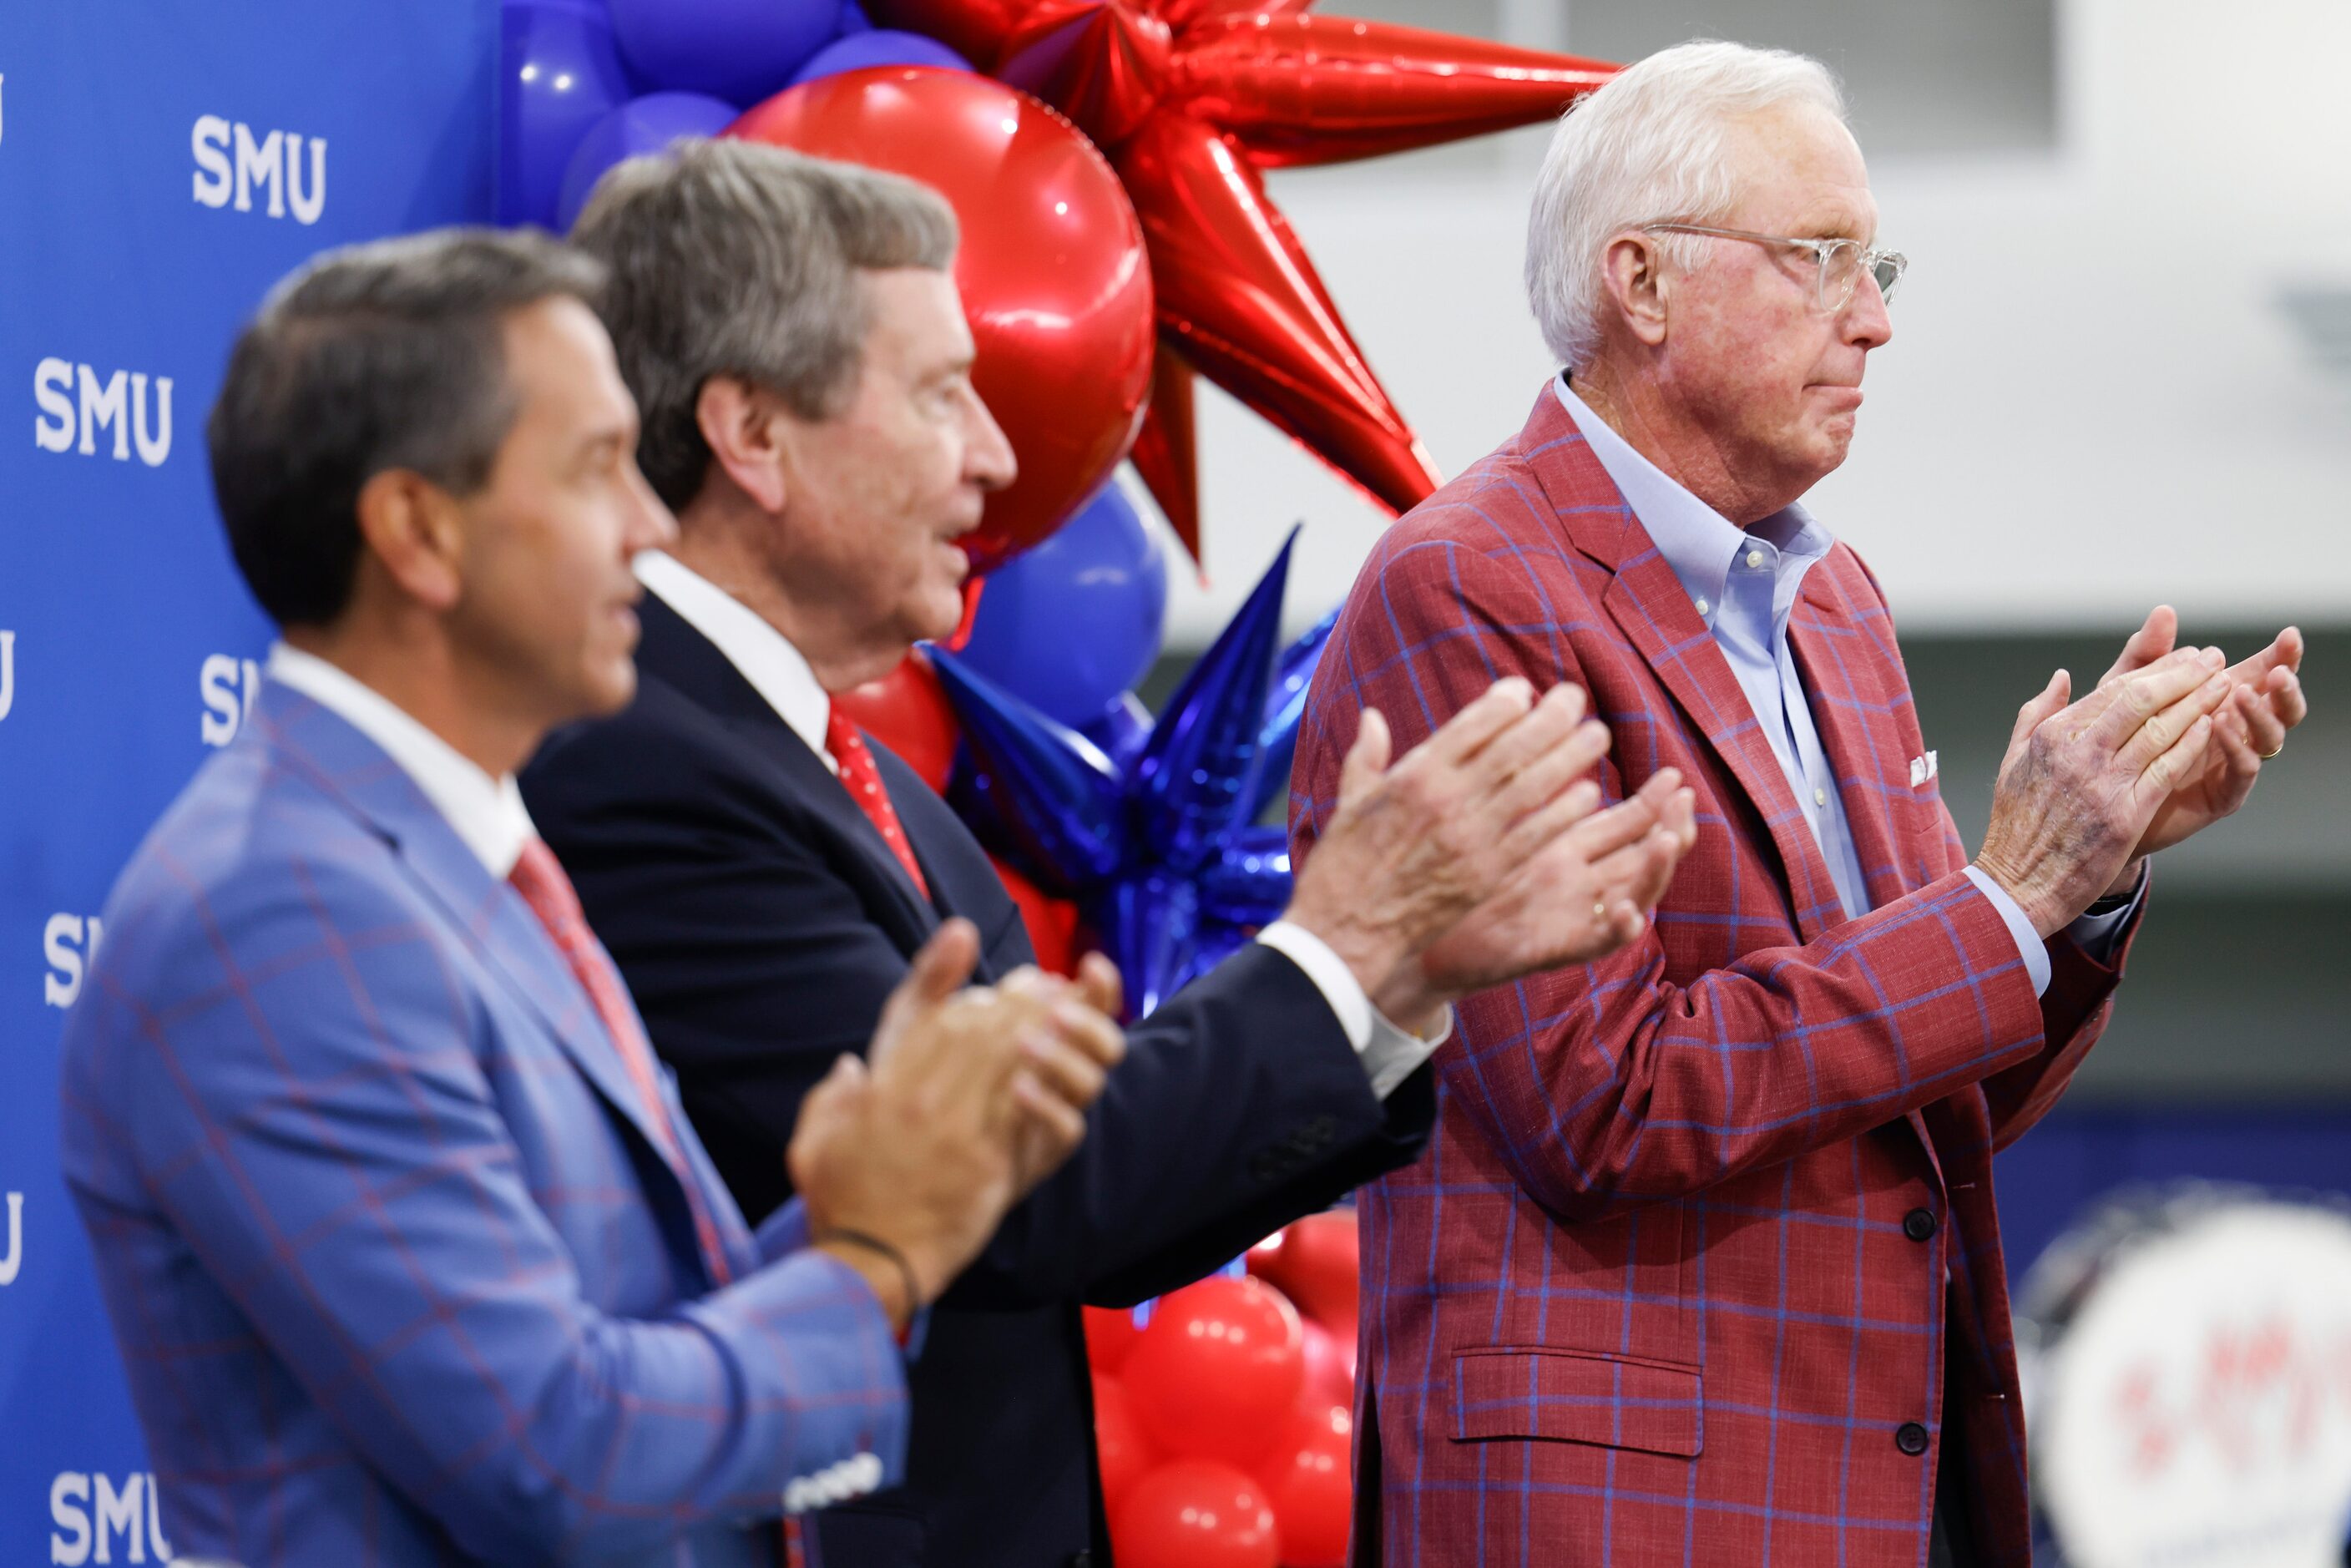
[(650, 524), (1867, 322), (988, 459)]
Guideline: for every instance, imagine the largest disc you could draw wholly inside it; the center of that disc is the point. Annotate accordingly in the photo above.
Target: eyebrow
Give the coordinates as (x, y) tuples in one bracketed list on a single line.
[(1823, 223)]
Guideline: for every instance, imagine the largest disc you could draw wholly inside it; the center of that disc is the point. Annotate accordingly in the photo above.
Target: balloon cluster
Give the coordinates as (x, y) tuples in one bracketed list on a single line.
[(1050, 264), (1117, 233), (1224, 1411), (586, 83)]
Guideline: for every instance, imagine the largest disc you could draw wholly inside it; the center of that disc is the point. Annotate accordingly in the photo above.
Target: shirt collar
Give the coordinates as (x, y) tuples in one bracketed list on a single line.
[(779, 672), (487, 813), (1699, 542)]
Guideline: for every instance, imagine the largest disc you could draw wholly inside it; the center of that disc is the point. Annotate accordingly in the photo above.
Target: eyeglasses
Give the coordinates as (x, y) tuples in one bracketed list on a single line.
[(1842, 261)]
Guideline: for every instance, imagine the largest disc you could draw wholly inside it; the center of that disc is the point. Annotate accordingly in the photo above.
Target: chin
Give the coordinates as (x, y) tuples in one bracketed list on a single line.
[(607, 691)]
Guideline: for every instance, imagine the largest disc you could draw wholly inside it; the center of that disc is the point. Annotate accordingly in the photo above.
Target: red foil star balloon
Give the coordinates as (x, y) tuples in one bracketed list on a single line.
[(1190, 100)]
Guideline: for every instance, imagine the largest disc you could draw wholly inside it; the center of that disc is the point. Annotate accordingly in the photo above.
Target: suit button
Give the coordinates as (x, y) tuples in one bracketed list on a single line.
[(1911, 1438), (1918, 1224), (1082, 1560)]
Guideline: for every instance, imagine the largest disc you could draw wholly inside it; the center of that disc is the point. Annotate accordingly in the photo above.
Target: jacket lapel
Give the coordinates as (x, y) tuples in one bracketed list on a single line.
[(320, 745), (1846, 673), (1647, 601), (672, 651)]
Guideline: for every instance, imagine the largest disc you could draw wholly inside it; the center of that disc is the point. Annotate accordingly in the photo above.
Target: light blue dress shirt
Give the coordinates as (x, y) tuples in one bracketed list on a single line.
[(1743, 584)]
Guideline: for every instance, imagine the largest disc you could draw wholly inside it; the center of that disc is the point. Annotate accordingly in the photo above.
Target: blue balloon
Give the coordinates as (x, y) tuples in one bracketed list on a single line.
[(1138, 820), (878, 46), (1194, 773), (1075, 621), (642, 125), (1121, 729), (740, 50), (559, 74), (853, 19)]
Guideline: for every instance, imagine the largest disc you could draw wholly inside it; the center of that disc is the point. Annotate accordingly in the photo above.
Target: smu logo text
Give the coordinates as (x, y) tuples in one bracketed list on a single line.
[(92, 1519), (76, 403), (233, 164), (70, 944), (228, 686), (13, 1259)]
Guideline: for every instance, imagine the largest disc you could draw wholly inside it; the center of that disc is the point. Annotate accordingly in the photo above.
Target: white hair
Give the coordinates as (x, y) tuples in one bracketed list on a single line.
[(1647, 147)]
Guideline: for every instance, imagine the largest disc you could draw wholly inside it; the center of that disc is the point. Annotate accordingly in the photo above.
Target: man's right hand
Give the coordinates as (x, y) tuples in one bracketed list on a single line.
[(1478, 858), (969, 1097), (2080, 782)]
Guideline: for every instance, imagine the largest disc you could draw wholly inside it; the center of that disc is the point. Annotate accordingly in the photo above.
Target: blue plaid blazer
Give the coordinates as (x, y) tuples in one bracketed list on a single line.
[(398, 1274)]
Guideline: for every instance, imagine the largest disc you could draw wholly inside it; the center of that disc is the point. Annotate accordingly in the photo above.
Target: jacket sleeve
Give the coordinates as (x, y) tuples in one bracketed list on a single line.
[(1239, 1106), (312, 1112), (1607, 1084), (2074, 1010)]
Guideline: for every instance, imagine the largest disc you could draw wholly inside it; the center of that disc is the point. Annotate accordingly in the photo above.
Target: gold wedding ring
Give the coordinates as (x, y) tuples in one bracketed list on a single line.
[(2270, 755)]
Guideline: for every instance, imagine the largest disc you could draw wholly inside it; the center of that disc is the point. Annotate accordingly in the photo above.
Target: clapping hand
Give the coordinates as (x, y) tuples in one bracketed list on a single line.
[(2265, 702)]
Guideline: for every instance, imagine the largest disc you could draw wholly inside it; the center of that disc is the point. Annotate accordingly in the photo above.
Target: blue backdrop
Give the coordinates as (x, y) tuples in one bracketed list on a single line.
[(161, 165)]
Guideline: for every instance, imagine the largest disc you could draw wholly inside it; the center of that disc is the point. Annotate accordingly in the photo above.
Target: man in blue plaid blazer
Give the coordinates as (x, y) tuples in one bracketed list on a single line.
[(411, 1254)]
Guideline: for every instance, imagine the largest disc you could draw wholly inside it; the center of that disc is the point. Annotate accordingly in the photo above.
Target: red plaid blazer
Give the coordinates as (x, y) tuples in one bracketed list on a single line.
[(1668, 1285)]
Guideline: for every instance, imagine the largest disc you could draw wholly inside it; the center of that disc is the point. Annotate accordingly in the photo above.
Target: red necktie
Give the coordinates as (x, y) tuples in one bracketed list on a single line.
[(863, 782), (539, 876)]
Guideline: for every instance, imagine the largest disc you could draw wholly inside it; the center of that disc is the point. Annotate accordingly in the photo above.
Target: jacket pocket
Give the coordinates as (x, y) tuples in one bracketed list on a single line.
[(1576, 1397)]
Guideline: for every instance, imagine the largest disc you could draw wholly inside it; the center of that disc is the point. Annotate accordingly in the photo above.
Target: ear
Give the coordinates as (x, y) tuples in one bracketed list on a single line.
[(417, 533), (743, 426), (1633, 278)]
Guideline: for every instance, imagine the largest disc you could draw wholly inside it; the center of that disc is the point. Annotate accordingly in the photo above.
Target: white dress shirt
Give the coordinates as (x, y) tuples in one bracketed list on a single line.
[(487, 813), (779, 673)]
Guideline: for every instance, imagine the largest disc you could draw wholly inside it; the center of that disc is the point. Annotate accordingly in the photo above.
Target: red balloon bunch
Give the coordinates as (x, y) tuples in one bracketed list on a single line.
[(1225, 1425)]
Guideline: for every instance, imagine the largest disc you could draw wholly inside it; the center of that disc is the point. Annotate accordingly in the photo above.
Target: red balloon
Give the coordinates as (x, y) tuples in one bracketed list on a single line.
[(1216, 1369), (905, 711), (1195, 1513), (1308, 1480), (1316, 1265), (1110, 1334), (1330, 1378), (1051, 267), (1119, 1441)]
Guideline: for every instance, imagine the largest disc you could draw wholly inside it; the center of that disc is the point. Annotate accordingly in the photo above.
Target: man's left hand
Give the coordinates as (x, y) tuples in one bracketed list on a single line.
[(2249, 729)]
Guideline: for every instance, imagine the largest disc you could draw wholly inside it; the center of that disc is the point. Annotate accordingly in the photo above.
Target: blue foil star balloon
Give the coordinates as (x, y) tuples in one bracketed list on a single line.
[(1154, 834)]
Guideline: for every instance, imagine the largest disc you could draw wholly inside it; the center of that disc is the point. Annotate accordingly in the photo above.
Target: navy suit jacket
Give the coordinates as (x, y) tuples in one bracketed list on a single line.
[(399, 1274), (761, 921)]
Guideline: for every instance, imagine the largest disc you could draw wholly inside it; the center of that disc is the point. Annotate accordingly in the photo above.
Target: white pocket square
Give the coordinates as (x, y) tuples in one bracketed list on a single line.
[(1922, 768)]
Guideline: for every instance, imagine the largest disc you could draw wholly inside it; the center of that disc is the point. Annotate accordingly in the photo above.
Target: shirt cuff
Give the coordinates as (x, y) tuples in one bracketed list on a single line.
[(1389, 1055), (2096, 934), (2029, 946)]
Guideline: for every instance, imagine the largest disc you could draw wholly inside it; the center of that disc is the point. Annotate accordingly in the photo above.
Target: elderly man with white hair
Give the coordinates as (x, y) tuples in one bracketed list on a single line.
[(1702, 1263)]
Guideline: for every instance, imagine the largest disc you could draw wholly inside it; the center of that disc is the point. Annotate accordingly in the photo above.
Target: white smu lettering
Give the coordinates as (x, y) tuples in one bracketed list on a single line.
[(228, 686), (63, 941), (68, 421), (14, 1260), (231, 164), (131, 1514), (7, 672)]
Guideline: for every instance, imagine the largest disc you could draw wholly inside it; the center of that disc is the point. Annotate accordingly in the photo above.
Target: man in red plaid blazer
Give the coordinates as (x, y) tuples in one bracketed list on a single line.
[(1702, 1263)]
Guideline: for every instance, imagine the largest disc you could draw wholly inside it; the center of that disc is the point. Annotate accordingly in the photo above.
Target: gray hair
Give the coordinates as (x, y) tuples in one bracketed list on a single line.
[(732, 258), (1649, 147), (369, 358)]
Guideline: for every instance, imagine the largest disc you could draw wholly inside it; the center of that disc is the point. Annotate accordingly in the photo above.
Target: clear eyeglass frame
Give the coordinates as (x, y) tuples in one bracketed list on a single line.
[(1840, 263)]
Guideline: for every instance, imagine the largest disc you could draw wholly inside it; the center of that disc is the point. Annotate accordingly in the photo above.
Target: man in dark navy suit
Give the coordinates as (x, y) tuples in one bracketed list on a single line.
[(762, 874)]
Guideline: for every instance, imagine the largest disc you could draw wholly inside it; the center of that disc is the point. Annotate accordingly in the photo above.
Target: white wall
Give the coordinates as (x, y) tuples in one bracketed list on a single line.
[(2091, 404)]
